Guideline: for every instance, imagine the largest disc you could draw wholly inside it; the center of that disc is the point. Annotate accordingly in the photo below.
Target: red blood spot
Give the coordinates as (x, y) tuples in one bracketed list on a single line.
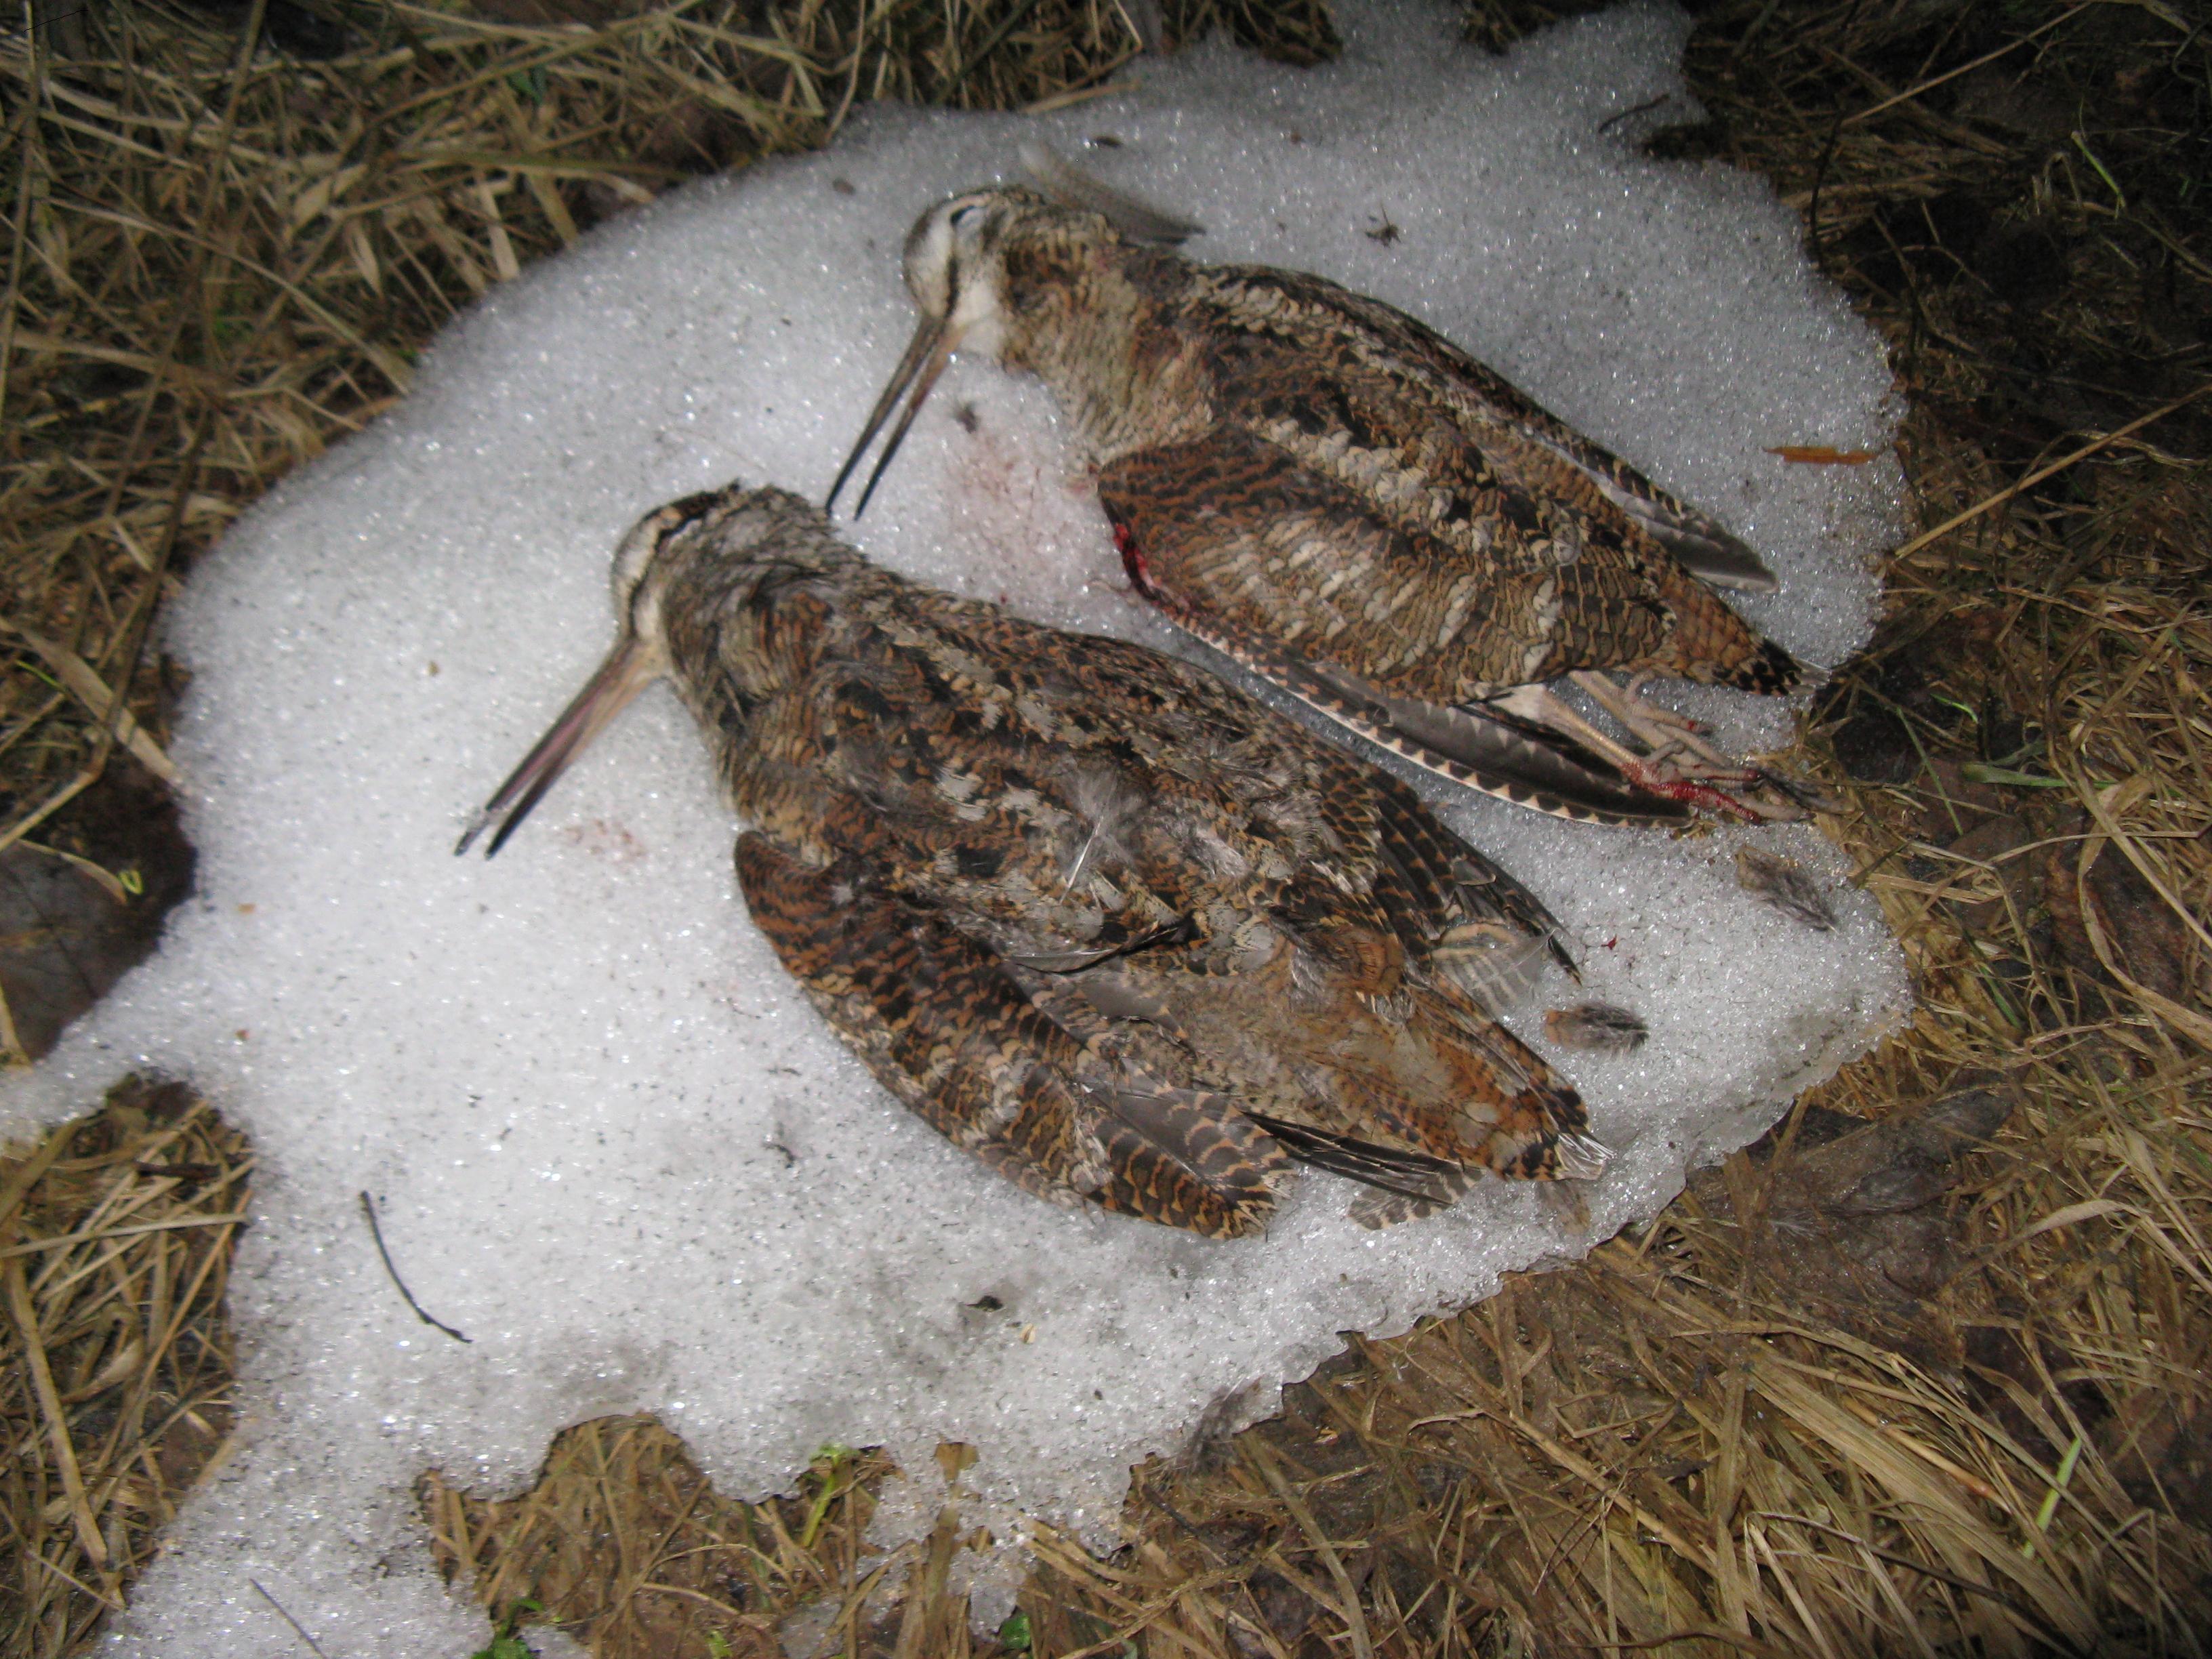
[(1614, 940), (1132, 561)]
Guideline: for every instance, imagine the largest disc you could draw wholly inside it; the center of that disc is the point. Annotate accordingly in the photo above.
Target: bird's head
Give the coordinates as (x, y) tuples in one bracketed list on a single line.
[(955, 265), (680, 575)]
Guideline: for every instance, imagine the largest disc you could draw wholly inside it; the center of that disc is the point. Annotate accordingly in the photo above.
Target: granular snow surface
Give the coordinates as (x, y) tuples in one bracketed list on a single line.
[(609, 1139)]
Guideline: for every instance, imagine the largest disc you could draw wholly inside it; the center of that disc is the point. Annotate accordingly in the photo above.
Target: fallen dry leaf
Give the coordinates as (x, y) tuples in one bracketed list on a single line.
[(1821, 455)]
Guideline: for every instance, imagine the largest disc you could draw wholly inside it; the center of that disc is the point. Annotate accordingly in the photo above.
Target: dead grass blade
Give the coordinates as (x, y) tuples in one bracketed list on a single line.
[(115, 1359), (624, 1543)]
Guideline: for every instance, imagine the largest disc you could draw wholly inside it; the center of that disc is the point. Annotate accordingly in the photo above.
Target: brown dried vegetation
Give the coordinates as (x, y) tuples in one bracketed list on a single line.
[(623, 1537), (115, 1354)]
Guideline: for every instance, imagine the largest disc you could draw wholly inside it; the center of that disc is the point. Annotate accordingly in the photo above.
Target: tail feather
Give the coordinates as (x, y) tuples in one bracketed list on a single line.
[(943, 1022), (1709, 552), (1710, 643), (1770, 671), (1414, 1176)]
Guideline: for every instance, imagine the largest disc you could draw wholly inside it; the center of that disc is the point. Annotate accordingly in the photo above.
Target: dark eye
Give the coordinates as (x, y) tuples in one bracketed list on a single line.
[(961, 215)]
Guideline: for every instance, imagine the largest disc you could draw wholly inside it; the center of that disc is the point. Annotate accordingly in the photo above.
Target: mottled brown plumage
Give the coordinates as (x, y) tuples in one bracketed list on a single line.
[(1120, 930), (1346, 502)]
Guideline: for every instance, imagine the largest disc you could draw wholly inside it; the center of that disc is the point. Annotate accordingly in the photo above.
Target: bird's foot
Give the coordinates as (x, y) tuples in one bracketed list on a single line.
[(1669, 755), (1706, 797)]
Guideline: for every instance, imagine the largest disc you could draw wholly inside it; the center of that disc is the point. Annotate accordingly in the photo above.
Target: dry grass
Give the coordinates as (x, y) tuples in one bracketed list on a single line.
[(115, 1355), (1933, 1386), (1675, 1446), (694, 1567)]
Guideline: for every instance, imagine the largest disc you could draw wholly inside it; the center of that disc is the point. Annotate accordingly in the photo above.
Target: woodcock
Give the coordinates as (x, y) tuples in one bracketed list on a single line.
[(1118, 929), (1347, 503)]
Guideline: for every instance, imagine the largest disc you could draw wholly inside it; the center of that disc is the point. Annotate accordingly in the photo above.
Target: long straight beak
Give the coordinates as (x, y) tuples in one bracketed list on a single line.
[(927, 354), (628, 670)]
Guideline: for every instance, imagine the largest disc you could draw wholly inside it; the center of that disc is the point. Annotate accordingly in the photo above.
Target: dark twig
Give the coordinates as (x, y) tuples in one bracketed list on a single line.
[(1013, 20), (1634, 109), (1911, 92), (1820, 168), (17, 31), (368, 1209), (299, 1629)]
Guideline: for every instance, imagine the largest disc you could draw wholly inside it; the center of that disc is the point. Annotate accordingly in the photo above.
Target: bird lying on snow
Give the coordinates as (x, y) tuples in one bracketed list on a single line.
[(1118, 929), (1344, 502)]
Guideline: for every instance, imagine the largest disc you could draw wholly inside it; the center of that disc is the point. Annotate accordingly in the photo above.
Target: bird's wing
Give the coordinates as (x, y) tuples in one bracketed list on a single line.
[(1454, 908), (1070, 797), (1424, 1184), (1412, 370), (1704, 547), (934, 1014), (1222, 784), (1256, 588)]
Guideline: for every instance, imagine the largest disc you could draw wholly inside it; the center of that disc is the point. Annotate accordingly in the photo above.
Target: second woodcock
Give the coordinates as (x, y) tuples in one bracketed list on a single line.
[(1123, 933), (1347, 503)]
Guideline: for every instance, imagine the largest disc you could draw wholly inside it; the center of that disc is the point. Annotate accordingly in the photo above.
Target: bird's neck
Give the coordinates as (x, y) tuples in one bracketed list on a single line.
[(1092, 323), (739, 632)]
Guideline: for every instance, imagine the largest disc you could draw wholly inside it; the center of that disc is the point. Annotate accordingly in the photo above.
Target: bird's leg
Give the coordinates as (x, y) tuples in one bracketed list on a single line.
[(1708, 782), (1654, 766), (1661, 716), (1795, 790), (1539, 705), (1678, 755), (1665, 732)]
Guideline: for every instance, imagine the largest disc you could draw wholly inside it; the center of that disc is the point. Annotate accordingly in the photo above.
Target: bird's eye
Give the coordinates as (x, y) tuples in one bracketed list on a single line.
[(961, 215)]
